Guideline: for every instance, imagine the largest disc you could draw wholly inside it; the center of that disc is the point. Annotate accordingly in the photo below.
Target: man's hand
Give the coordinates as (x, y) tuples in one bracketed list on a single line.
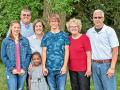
[(110, 72)]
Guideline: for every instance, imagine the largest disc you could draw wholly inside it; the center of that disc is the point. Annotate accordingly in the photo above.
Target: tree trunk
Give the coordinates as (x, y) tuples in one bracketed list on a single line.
[(48, 10)]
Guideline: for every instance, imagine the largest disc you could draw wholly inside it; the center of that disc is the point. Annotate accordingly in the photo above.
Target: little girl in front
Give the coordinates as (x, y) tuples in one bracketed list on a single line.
[(36, 79)]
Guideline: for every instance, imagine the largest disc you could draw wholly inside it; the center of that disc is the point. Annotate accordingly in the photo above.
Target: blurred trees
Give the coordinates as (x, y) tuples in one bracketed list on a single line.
[(82, 9), (10, 10)]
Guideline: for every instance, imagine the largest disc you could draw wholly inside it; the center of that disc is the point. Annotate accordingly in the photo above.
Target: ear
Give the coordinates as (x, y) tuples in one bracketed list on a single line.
[(103, 19)]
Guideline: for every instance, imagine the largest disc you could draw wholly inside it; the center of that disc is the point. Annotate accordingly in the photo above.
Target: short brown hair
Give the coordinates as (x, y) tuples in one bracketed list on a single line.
[(36, 21), (26, 10), (55, 17)]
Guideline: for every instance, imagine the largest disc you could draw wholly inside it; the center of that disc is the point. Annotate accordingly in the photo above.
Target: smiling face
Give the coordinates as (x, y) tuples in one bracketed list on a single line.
[(38, 28), (25, 16), (54, 21), (98, 19), (54, 24), (15, 29), (36, 60), (73, 28)]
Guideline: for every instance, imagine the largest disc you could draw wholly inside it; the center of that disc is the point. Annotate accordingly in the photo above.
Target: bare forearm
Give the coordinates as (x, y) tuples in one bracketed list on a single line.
[(66, 56), (29, 82), (43, 60), (43, 57), (114, 57), (88, 60)]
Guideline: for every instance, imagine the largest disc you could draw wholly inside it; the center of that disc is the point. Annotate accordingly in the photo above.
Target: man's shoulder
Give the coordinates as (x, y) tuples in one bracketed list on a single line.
[(64, 34), (47, 34), (90, 30), (108, 29)]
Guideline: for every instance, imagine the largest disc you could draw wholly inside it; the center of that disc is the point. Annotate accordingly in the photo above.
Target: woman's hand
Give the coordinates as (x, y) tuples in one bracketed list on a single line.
[(14, 71), (88, 73), (22, 72)]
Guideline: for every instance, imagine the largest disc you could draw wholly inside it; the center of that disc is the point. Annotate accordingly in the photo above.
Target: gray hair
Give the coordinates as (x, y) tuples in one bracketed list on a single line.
[(74, 20), (26, 10), (100, 11)]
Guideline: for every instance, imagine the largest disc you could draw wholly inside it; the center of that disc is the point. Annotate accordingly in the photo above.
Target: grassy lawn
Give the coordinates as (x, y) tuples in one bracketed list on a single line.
[(3, 84)]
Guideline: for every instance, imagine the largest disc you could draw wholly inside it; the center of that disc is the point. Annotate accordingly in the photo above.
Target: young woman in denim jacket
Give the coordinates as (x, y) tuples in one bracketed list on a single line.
[(15, 54)]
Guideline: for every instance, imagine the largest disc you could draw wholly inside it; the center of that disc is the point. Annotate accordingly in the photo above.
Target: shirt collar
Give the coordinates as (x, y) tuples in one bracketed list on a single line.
[(34, 36), (102, 30), (21, 37), (26, 26)]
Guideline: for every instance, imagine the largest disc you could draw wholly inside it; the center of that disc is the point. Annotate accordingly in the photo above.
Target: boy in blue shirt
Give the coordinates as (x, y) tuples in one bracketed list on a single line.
[(55, 53)]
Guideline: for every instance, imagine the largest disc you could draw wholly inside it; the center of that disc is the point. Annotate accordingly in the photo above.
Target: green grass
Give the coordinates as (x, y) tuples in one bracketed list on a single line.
[(3, 83)]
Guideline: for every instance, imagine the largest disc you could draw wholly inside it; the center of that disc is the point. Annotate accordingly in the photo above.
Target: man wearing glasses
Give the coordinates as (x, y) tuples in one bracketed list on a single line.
[(26, 26), (104, 43)]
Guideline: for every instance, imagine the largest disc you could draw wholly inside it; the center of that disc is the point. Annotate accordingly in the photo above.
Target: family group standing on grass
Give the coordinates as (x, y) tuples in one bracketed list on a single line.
[(41, 59)]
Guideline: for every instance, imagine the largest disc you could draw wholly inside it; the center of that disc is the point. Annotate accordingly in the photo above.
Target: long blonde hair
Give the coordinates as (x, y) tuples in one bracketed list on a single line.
[(11, 24)]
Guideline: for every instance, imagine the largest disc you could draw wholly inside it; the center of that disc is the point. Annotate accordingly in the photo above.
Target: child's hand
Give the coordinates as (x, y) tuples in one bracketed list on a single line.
[(45, 71), (30, 67), (63, 70), (14, 71)]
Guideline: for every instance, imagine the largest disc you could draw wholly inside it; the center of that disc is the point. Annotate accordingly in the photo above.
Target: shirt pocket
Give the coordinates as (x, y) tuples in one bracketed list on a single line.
[(10, 50), (23, 49)]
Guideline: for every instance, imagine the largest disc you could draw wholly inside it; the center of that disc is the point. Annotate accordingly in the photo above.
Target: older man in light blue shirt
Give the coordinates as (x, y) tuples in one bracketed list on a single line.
[(26, 30), (26, 26), (104, 43)]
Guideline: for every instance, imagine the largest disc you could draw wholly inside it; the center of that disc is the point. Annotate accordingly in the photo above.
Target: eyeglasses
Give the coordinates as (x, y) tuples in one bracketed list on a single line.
[(26, 15), (73, 26), (97, 17)]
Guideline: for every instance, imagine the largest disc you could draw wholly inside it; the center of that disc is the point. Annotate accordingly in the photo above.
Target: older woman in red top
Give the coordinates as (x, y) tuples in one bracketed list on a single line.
[(80, 56)]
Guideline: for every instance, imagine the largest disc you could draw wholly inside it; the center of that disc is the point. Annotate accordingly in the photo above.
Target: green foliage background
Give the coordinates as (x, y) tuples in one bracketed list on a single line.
[(10, 10), (82, 9)]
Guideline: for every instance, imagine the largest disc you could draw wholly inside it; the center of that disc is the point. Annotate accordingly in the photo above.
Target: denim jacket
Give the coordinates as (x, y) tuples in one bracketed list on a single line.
[(8, 53)]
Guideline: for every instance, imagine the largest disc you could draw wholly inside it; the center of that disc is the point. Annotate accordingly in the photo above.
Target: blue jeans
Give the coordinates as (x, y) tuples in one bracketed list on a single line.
[(56, 81), (100, 78), (15, 82)]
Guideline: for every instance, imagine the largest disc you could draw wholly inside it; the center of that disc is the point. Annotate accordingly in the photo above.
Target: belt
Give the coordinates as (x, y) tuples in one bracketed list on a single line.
[(102, 61)]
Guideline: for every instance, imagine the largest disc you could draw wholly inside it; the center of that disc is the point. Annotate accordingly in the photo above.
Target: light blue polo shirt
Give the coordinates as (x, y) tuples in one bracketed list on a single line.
[(35, 44), (26, 30), (102, 42)]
